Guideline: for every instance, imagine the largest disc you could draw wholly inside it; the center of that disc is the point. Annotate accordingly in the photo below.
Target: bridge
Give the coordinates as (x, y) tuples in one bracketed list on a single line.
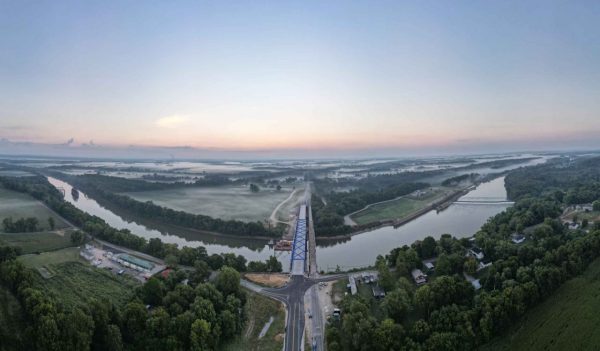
[(484, 202), (299, 245)]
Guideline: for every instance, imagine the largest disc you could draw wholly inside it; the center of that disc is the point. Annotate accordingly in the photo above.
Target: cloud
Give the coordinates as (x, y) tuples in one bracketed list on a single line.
[(172, 121)]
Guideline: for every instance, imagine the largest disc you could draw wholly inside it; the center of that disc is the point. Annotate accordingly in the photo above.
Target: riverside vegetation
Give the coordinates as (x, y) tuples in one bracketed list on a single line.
[(447, 313)]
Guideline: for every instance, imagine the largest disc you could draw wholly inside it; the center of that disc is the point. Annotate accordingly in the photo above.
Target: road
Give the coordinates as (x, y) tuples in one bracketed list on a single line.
[(292, 296)]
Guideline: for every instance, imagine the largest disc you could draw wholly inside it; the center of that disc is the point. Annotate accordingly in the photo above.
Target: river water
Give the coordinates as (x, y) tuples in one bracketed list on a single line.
[(460, 220)]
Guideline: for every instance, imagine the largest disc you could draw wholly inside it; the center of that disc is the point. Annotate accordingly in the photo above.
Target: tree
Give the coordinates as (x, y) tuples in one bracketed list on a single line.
[(596, 205), (428, 246), (51, 223), (201, 272), (171, 261), (200, 336), (396, 304), (228, 281), (254, 188), (77, 237), (470, 266), (278, 187), (153, 292), (584, 223)]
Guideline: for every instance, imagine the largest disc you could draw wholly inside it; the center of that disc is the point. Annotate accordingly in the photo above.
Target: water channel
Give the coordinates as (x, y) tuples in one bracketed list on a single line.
[(460, 220)]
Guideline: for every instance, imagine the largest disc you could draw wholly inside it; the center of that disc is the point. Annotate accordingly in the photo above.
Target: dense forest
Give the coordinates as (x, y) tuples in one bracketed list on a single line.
[(105, 188), (163, 314), (448, 313)]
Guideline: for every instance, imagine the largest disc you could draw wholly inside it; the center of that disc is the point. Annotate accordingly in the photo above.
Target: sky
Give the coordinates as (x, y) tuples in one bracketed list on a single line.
[(299, 77)]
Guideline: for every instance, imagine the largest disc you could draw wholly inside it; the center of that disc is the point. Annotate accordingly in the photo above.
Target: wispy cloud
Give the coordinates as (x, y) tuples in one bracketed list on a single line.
[(172, 121)]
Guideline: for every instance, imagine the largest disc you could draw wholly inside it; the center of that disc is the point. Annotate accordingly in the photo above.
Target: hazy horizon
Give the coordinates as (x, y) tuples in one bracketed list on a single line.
[(307, 79)]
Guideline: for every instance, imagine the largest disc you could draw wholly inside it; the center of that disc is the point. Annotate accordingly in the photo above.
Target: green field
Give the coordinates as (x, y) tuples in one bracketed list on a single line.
[(18, 205), (11, 321), (74, 282), (395, 209), (259, 309), (46, 259), (225, 202), (568, 320), (37, 242)]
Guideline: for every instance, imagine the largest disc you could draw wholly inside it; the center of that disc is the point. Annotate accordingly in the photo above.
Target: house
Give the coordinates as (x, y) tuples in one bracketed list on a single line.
[(429, 266), (517, 238), (378, 292), (484, 264), (368, 278), (352, 285), (475, 282), (419, 277), (476, 252), (573, 225)]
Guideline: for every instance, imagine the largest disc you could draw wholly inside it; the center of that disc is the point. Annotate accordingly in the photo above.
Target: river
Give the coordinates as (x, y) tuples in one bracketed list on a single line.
[(460, 220)]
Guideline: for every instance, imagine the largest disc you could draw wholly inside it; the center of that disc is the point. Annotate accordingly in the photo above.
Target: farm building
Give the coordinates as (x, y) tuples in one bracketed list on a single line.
[(133, 262)]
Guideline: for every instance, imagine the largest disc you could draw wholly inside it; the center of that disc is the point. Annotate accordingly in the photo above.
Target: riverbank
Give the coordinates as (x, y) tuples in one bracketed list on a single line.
[(439, 205)]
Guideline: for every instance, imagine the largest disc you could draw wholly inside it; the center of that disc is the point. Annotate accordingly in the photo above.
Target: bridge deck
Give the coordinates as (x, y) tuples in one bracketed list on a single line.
[(298, 261)]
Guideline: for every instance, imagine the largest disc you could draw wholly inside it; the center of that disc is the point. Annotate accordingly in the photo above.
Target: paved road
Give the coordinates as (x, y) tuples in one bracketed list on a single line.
[(292, 296)]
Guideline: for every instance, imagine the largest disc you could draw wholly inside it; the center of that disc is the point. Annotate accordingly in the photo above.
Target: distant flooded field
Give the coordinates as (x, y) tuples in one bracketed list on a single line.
[(225, 202)]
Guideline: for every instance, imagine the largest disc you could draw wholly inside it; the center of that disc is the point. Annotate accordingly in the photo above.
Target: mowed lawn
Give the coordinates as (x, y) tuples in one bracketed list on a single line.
[(568, 320), (259, 309), (394, 209), (39, 241), (17, 205), (225, 202)]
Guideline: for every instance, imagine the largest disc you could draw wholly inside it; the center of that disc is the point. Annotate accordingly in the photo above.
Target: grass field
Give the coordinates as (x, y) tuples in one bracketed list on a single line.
[(259, 309), (225, 202), (74, 282), (395, 209), (37, 242), (568, 320), (11, 321), (17, 205), (46, 259)]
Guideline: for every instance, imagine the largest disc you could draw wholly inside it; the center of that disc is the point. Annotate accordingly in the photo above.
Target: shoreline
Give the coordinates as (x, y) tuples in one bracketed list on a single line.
[(440, 205)]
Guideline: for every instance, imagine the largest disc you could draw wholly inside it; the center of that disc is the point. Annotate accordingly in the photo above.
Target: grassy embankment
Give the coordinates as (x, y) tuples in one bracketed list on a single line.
[(396, 209), (567, 320), (225, 202), (259, 309)]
